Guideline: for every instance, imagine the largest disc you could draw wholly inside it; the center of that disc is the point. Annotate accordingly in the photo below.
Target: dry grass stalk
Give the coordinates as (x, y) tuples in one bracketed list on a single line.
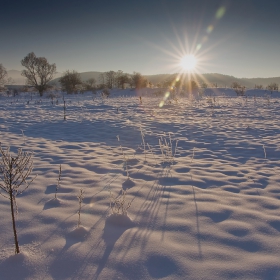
[(118, 204)]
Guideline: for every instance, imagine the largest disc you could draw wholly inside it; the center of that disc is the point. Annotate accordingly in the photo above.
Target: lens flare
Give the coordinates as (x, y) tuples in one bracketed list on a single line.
[(220, 13), (210, 28)]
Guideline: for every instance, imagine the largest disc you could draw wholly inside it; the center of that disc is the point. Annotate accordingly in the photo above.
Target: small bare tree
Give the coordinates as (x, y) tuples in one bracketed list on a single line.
[(204, 85), (272, 87), (70, 81), (110, 79), (80, 199), (14, 172), (235, 85), (105, 93), (90, 85), (101, 79), (58, 182), (39, 72), (3, 75), (122, 80), (138, 80), (258, 86)]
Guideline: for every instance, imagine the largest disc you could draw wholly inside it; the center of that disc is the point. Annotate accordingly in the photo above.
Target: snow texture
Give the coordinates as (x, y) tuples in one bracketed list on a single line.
[(206, 209)]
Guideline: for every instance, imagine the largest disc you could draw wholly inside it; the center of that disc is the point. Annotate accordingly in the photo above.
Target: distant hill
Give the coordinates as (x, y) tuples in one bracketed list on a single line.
[(20, 80), (220, 79), (16, 76), (84, 76), (210, 78)]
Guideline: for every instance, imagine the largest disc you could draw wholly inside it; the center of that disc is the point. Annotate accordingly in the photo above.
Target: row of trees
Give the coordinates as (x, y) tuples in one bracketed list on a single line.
[(71, 81), (271, 86), (39, 72), (118, 79)]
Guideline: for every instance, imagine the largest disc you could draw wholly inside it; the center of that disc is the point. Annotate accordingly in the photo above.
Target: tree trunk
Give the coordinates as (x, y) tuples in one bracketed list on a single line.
[(14, 223)]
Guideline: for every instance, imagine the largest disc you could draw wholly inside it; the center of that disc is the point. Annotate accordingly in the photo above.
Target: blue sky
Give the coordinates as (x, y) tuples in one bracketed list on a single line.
[(233, 37)]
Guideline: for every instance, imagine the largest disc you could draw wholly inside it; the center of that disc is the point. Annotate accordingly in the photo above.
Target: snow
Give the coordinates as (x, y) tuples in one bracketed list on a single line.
[(206, 209)]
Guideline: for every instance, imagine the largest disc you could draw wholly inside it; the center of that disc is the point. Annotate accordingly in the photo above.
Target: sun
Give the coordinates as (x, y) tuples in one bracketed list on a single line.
[(188, 62)]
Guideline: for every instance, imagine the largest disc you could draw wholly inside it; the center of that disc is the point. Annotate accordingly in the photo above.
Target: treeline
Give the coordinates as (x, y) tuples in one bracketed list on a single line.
[(71, 81), (39, 74)]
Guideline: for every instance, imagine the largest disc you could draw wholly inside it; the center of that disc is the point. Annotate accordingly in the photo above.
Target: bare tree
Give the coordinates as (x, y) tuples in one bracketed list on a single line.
[(90, 84), (110, 79), (39, 72), (3, 75), (14, 172), (258, 86), (70, 81), (204, 85), (122, 80), (118, 74), (101, 78), (138, 80), (235, 85), (272, 86)]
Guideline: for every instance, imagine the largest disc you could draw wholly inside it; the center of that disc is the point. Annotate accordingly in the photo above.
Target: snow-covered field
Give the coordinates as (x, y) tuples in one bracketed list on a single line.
[(204, 189)]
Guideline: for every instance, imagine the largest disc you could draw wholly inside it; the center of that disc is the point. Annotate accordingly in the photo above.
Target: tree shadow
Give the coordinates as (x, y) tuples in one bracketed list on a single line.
[(77, 235), (14, 267), (115, 226), (52, 188), (197, 226), (127, 184)]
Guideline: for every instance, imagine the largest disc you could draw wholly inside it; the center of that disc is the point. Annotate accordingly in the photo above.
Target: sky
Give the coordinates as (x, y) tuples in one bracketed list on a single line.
[(232, 37)]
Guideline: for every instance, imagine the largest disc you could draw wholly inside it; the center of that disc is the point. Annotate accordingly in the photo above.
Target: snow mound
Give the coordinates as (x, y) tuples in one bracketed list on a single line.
[(119, 220), (79, 232), (52, 203)]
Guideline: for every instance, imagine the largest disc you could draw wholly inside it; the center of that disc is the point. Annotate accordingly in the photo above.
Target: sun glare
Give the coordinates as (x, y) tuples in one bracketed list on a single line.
[(188, 62)]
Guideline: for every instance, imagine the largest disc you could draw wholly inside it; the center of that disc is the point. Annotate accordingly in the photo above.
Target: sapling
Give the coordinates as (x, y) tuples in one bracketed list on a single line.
[(58, 182), (14, 171), (80, 198)]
